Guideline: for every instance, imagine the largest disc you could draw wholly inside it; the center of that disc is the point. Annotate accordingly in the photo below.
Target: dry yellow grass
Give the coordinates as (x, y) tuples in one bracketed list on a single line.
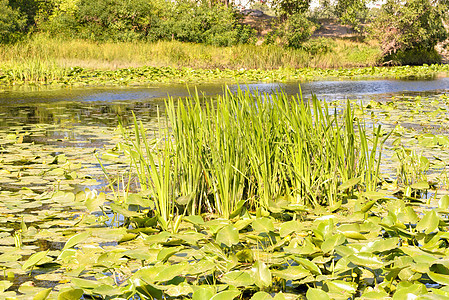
[(110, 56)]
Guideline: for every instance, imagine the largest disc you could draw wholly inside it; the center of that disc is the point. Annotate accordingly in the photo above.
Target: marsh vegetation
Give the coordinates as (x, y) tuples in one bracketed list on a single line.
[(281, 196)]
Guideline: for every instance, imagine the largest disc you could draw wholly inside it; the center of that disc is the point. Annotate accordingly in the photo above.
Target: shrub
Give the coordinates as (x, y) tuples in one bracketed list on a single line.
[(352, 12), (415, 56), (412, 25), (152, 20), (12, 23), (297, 30)]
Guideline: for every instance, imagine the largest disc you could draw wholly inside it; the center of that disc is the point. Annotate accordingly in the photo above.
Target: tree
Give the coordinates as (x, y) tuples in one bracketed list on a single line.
[(352, 12), (287, 8), (411, 25), (12, 23)]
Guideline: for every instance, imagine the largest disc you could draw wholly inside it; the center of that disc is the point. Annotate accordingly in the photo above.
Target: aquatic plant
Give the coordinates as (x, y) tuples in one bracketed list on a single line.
[(244, 151), (373, 242)]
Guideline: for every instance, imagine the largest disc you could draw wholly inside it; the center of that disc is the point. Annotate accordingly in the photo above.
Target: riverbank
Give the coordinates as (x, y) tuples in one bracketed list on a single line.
[(46, 61), (51, 75)]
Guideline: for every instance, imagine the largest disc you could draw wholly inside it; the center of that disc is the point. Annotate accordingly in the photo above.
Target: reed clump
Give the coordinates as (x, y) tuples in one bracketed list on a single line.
[(250, 150)]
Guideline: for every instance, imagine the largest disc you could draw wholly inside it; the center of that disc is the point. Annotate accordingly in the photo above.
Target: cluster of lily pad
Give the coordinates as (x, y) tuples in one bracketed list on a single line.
[(76, 76), (57, 242)]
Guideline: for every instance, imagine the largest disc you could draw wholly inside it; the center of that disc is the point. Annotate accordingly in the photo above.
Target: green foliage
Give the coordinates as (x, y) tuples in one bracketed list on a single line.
[(154, 20), (286, 8), (297, 30), (11, 22), (115, 19), (415, 24), (352, 12), (28, 9), (415, 56), (318, 46)]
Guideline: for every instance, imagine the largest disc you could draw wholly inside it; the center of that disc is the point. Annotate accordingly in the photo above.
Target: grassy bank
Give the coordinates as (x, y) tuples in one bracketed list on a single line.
[(44, 60), (323, 53)]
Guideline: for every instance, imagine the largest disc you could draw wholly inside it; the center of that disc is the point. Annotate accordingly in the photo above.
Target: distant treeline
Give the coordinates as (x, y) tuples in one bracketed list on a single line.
[(407, 31), (118, 20)]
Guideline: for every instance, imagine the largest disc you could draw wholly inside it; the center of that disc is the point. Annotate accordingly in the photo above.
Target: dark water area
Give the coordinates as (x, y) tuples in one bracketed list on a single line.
[(103, 106)]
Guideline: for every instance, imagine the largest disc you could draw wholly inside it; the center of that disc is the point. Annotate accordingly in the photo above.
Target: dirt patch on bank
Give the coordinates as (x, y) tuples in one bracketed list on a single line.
[(332, 29)]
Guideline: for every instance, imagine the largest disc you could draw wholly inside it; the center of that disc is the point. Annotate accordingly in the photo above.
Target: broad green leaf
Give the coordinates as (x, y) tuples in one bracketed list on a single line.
[(34, 260), (94, 203), (374, 295), (411, 215), (76, 239), (349, 183), (429, 223), (292, 273), (85, 283), (442, 279), (279, 296), (383, 245), (228, 235), (333, 241), (316, 294), (262, 225), (351, 231), (171, 272), (242, 224), (106, 290), (182, 289), (365, 259), (374, 195), (226, 295), (261, 296), (203, 293), (368, 205), (422, 185), (443, 203), (408, 290), (245, 255), (237, 278), (341, 287), (72, 294), (124, 212), (42, 295), (194, 219), (289, 227), (311, 266), (4, 285), (261, 274), (166, 253)]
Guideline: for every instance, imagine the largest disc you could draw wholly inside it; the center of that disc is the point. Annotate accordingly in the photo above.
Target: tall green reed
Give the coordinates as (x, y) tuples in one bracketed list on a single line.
[(155, 167), (253, 148)]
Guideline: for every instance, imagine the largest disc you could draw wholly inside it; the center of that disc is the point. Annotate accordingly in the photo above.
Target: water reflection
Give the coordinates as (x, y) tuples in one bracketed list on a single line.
[(68, 108)]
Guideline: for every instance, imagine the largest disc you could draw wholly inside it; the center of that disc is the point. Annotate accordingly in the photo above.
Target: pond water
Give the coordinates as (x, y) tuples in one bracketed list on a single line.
[(85, 118), (49, 138), (100, 106)]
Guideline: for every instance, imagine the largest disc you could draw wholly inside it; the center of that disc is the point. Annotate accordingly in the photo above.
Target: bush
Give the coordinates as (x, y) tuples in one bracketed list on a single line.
[(415, 56), (411, 27), (352, 12), (318, 46), (297, 30), (286, 8), (153, 20), (12, 23)]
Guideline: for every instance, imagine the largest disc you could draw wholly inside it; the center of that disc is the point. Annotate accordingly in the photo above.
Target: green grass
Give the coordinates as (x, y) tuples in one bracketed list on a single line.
[(48, 61), (94, 55), (247, 151)]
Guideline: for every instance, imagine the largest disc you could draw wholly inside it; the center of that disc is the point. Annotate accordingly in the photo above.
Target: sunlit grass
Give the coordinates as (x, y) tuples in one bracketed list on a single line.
[(93, 55)]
